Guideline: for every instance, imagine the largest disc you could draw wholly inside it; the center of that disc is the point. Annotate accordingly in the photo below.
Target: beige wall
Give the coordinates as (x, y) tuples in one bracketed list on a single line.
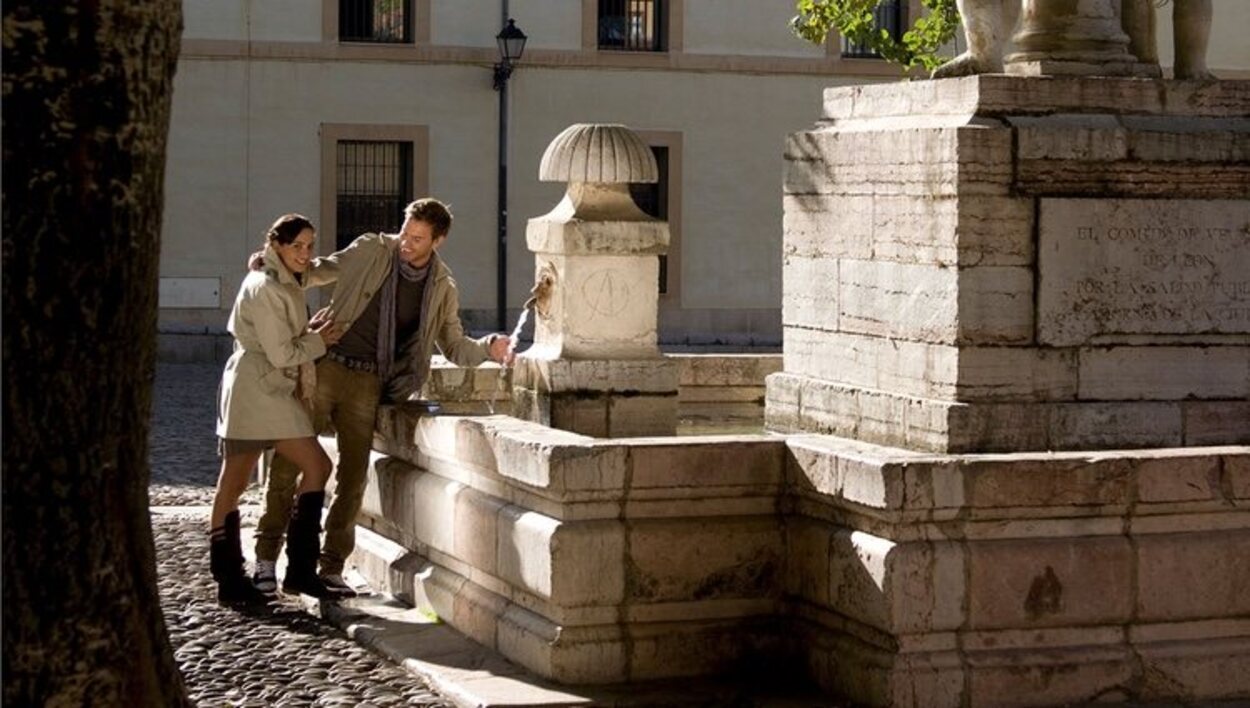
[(465, 24), (745, 27), (257, 80)]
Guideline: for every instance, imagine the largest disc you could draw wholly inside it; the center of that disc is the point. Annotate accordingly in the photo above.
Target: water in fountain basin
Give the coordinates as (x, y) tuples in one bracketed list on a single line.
[(503, 369)]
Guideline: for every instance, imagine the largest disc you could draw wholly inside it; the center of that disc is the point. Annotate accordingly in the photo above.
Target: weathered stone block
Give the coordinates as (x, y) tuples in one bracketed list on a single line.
[(807, 558), (1075, 676), (1216, 422), (676, 464), (1193, 575), (1011, 481), (544, 375), (1070, 136), (561, 562), (1178, 479), (813, 467), (601, 307), (1049, 582), (1164, 373), (898, 300), (1207, 669), (641, 415), (724, 370), (1236, 476), (476, 531), (1214, 140), (696, 559), (568, 655), (942, 161), (987, 304), (1095, 426), (924, 230), (895, 587), (998, 94), (811, 299), (693, 649), (475, 611), (524, 548), (1015, 374)]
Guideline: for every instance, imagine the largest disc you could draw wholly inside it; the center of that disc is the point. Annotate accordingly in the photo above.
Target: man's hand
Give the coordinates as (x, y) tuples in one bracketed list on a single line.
[(501, 349), (256, 261)]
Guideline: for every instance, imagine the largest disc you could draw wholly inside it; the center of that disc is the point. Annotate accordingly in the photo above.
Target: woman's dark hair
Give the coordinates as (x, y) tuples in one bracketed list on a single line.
[(287, 227)]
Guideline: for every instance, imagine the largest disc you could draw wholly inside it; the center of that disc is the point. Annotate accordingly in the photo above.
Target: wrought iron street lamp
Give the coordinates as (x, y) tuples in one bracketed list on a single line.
[(511, 42)]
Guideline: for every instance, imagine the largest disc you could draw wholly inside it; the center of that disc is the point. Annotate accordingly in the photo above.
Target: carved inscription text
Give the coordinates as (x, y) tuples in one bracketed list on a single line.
[(1115, 268)]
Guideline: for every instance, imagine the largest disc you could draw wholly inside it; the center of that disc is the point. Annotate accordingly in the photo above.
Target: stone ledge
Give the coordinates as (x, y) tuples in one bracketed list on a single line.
[(1000, 95), (579, 655), (797, 403)]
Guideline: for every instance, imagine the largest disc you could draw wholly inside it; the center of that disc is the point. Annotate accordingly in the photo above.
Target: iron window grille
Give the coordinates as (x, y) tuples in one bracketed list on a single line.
[(891, 16), (385, 21), (653, 200), (632, 25), (374, 184)]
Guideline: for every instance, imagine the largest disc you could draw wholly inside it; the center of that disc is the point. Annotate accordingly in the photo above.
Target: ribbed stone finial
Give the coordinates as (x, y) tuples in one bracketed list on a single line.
[(603, 153)]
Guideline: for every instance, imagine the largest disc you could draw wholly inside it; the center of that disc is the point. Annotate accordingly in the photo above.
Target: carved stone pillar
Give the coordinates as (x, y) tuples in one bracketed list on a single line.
[(595, 368)]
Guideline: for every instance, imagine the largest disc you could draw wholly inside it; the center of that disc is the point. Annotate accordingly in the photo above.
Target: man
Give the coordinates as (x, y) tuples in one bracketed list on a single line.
[(395, 300)]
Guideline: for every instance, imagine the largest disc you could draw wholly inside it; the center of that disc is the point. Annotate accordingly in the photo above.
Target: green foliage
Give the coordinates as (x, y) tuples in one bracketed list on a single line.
[(854, 20)]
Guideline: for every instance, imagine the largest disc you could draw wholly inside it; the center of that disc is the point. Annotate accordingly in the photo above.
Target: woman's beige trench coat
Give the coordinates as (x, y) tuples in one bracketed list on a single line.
[(258, 387)]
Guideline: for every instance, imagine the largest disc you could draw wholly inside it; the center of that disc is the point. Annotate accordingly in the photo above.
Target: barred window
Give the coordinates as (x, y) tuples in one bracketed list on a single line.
[(653, 199), (375, 21), (374, 185), (632, 25), (891, 16)]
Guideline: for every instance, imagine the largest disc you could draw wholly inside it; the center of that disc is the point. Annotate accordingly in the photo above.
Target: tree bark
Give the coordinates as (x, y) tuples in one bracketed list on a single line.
[(86, 90)]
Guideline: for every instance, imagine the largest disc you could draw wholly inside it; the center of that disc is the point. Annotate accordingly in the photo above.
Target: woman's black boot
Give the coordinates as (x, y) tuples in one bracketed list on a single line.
[(303, 545), (225, 554)]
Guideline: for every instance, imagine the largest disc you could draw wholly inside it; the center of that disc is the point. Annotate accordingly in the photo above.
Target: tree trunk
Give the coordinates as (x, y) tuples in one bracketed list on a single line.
[(86, 89)]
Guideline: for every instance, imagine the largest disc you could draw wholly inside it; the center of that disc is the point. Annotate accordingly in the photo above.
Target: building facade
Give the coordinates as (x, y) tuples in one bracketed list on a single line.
[(344, 110)]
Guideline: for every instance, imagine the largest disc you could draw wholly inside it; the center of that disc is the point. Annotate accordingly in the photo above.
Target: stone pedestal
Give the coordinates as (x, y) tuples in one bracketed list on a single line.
[(1000, 263), (595, 368)]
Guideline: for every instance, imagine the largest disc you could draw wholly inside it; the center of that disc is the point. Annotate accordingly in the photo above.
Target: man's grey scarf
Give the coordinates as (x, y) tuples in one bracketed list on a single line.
[(386, 311)]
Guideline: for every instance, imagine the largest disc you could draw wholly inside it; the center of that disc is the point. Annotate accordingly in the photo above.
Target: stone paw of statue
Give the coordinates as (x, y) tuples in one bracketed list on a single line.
[(1194, 75), (965, 65)]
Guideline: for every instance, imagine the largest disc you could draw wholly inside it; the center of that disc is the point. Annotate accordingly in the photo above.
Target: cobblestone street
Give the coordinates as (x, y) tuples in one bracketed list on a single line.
[(274, 656)]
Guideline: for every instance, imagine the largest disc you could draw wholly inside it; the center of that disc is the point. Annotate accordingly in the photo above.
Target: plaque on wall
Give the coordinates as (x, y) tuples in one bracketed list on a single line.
[(1112, 270), (197, 293)]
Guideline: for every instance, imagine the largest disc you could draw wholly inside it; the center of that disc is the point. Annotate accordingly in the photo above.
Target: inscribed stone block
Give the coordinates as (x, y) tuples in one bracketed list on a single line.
[(1110, 268)]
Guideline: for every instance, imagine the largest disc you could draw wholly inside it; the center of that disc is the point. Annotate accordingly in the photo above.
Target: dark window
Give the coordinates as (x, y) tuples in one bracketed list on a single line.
[(374, 185), (890, 16), (653, 199), (375, 20), (631, 25)]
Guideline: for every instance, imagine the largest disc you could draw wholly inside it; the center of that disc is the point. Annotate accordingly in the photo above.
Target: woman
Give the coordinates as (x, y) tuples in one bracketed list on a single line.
[(262, 405)]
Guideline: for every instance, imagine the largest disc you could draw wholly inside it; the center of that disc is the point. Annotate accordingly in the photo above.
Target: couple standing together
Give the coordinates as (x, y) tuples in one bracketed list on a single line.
[(292, 376)]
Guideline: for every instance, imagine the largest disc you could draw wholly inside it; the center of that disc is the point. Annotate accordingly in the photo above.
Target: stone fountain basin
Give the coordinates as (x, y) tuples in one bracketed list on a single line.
[(900, 577)]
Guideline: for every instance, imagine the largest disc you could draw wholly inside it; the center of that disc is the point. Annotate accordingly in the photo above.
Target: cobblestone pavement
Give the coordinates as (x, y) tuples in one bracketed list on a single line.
[(277, 655)]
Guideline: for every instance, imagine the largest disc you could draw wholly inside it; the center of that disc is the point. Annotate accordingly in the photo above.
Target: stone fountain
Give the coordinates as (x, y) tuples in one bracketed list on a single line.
[(595, 368), (1009, 462)]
